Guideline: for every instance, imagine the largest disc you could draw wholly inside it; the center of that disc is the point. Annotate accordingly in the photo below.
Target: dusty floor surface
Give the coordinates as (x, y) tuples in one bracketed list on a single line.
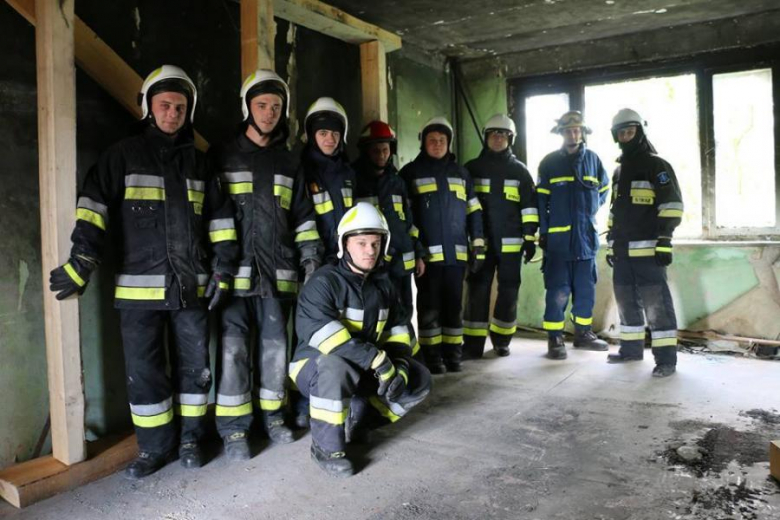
[(516, 438)]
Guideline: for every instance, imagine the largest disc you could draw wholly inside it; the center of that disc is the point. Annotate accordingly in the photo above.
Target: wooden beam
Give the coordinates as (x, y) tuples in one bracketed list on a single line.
[(25, 8), (56, 71), (44, 477), (373, 74), (258, 31), (334, 22)]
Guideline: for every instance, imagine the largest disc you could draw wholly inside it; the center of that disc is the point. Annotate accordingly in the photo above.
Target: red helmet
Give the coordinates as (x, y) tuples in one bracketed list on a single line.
[(377, 132)]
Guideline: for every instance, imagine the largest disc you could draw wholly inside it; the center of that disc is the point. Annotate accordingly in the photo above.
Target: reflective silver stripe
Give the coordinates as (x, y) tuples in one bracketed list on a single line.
[(306, 226), (203, 279), (397, 199), (475, 324), (147, 181), (346, 193), (195, 185), (424, 180), (319, 198), (245, 271), (642, 185), (87, 203), (147, 410), (233, 400), (353, 314), (283, 180), (511, 183), (642, 244), (325, 332), (396, 408), (456, 181), (473, 202), (191, 399), (658, 334), (383, 314), (461, 249), (270, 395), (221, 223), (628, 329), (435, 249), (481, 182), (429, 333), (285, 274), (452, 331), (530, 211), (236, 177), (398, 329), (511, 241), (141, 280), (671, 205), (331, 405), (374, 201), (408, 256), (503, 324)]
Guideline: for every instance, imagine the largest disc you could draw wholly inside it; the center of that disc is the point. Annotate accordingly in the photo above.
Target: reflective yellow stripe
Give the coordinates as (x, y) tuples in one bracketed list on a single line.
[(152, 421), (670, 213), (603, 188), (582, 321), (408, 264), (190, 410), (201, 291), (432, 340), (239, 188), (87, 215), (335, 418), (590, 178), (425, 188), (222, 234), (270, 405), (234, 411), (307, 235), (415, 348), (553, 325), (544, 191), (436, 257), (503, 330), (139, 293), (511, 248), (475, 332), (530, 218), (352, 325), (452, 340), (561, 179), (74, 275), (481, 188), (144, 193), (460, 255), (561, 229), (323, 207), (529, 238), (632, 336), (287, 286), (387, 375), (663, 342), (404, 339), (334, 341), (642, 192), (296, 368), (512, 193), (664, 249), (196, 196), (641, 252), (382, 409), (242, 284)]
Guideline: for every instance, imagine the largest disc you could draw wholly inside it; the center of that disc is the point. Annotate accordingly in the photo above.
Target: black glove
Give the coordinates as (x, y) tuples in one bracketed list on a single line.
[(309, 266), (218, 289), (528, 250), (610, 260), (663, 252), (391, 382), (477, 258), (543, 241), (72, 277)]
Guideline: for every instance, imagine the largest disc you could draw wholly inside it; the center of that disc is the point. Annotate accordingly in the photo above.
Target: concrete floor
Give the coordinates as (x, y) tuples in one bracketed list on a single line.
[(517, 437)]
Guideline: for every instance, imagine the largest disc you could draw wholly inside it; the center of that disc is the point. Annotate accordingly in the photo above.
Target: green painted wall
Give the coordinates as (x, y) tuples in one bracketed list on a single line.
[(487, 96)]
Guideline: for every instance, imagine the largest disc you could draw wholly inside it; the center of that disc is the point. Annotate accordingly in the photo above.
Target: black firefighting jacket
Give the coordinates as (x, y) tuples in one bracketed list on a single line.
[(157, 193), (387, 192), (330, 181), (274, 217), (342, 313), (446, 211), (507, 194), (646, 202)]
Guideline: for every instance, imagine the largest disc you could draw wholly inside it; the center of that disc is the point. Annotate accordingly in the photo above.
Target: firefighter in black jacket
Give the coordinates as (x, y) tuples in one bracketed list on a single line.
[(507, 194), (329, 177), (353, 359), (646, 208), (379, 184), (275, 220), (154, 190), (448, 214)]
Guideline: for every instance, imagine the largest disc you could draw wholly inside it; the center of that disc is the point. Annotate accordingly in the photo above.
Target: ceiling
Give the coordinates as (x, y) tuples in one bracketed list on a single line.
[(475, 29)]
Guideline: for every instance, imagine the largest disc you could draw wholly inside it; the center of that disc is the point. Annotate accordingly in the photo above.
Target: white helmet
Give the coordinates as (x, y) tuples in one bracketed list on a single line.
[(363, 219), (256, 78), (501, 122), (327, 104), (627, 117), (173, 74)]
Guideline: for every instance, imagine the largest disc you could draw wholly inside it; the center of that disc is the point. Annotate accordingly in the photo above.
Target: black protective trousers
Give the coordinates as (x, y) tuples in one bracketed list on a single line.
[(439, 308), (338, 389), (154, 396), (263, 320), (475, 318), (643, 296)]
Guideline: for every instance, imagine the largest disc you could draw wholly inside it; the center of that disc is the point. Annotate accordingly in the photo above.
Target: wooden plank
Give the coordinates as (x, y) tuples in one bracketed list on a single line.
[(56, 72), (25, 8), (44, 477), (373, 74), (334, 22), (258, 31)]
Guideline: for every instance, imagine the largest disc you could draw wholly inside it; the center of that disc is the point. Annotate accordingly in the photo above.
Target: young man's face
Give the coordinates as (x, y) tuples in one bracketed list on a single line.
[(624, 135), (379, 154), (364, 250), (327, 141), (498, 141), (170, 111), (266, 111), (572, 136), (436, 144)]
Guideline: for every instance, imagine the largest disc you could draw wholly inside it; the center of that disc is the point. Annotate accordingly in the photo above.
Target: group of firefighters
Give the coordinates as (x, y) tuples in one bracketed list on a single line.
[(239, 228)]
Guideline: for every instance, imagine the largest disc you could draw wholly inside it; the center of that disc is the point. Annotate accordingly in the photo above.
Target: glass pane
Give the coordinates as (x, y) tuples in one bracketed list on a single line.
[(744, 149), (669, 106), (541, 112)]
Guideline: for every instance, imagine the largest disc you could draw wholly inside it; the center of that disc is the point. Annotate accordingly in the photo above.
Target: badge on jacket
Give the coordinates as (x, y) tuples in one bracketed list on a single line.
[(663, 178)]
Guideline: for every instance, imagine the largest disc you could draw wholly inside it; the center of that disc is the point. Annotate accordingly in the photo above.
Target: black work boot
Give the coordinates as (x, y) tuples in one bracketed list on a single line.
[(335, 464), (147, 463), (587, 340), (453, 362), (664, 370), (501, 350), (277, 431), (191, 455), (435, 365), (237, 447), (556, 348), (472, 350), (620, 358)]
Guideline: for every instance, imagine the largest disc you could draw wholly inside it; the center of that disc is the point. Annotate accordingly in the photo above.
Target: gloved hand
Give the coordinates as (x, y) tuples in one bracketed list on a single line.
[(610, 260), (543, 241), (71, 277), (218, 289), (528, 250), (663, 252), (394, 392), (309, 266), (391, 383), (477, 258)]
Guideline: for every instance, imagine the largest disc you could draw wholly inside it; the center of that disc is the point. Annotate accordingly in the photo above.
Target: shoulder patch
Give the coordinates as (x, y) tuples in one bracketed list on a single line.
[(663, 178)]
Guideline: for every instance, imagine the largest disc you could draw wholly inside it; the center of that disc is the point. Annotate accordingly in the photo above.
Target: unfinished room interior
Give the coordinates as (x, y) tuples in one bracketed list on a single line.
[(681, 421)]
